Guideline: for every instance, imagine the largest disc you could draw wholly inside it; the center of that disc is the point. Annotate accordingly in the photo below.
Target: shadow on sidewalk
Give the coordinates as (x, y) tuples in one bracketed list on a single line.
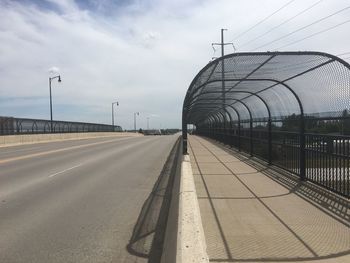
[(149, 231), (332, 204), (242, 249)]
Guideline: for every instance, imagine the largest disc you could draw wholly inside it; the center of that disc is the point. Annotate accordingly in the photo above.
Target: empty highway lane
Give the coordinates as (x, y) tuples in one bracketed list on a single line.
[(76, 201)]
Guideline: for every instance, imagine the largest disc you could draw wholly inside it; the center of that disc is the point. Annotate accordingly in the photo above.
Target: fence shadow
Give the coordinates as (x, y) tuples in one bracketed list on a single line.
[(221, 245), (149, 231), (334, 205)]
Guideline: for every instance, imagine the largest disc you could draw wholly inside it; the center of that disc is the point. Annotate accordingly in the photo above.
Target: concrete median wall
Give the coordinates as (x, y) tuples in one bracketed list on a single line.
[(170, 246), (12, 140), (184, 238)]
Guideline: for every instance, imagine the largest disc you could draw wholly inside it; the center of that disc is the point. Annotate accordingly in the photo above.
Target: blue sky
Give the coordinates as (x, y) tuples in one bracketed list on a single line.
[(143, 54)]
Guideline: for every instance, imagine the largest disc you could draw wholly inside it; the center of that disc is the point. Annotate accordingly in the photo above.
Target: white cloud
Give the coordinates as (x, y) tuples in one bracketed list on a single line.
[(150, 38), (54, 70), (142, 53)]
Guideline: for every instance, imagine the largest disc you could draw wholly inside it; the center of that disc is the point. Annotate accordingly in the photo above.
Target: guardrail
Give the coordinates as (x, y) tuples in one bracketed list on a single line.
[(14, 126), (327, 156)]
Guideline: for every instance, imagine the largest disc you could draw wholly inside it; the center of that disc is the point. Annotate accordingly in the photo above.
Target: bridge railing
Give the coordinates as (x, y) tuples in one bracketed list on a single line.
[(327, 157), (14, 126)]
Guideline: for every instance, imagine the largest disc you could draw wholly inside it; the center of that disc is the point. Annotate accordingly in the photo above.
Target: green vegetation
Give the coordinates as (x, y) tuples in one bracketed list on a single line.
[(339, 125)]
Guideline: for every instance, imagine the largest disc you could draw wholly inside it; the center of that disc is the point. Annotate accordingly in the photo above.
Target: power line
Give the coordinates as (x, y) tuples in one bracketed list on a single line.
[(281, 24), (303, 64), (314, 34), (302, 28), (261, 21)]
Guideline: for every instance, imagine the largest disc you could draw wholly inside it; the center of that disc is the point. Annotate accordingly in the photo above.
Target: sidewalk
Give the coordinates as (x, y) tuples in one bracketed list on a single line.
[(253, 214)]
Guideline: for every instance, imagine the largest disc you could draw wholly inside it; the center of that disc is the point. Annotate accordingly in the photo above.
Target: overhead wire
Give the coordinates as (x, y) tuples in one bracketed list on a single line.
[(302, 65), (261, 21), (303, 27), (314, 34), (281, 24)]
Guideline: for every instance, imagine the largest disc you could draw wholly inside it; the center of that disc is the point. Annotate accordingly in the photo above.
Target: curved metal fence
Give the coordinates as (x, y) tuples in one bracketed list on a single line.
[(13, 126), (291, 109)]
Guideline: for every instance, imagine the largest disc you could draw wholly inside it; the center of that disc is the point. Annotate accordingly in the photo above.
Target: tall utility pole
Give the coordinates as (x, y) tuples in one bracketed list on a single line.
[(113, 112), (147, 123), (223, 73), (135, 113), (222, 44)]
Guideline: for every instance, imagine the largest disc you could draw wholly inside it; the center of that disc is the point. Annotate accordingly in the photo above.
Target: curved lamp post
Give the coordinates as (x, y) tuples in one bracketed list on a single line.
[(135, 113), (113, 113), (50, 79)]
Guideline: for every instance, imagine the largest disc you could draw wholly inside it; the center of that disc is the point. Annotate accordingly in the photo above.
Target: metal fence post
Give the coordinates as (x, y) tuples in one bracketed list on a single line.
[(239, 135), (251, 136), (302, 149), (270, 141), (184, 134)]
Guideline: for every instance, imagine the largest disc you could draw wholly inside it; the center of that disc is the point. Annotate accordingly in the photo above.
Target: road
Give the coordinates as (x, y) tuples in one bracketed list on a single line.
[(76, 201)]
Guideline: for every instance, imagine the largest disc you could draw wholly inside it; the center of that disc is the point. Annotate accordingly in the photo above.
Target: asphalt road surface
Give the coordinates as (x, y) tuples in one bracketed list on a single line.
[(76, 201)]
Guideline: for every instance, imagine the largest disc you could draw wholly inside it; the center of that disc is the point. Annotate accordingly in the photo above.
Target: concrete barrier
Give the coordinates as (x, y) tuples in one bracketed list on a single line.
[(171, 233), (13, 140), (184, 237)]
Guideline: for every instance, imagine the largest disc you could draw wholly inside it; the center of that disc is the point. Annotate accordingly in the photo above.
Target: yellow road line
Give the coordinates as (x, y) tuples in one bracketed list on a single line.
[(54, 151)]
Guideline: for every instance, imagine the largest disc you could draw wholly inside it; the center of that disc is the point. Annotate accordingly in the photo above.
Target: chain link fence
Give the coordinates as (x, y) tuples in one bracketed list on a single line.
[(290, 109)]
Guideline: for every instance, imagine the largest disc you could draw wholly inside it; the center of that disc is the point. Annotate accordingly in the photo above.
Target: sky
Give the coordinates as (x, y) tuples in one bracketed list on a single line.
[(143, 54)]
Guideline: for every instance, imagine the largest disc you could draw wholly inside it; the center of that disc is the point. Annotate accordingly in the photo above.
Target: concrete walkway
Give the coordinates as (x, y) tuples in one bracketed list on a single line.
[(253, 214)]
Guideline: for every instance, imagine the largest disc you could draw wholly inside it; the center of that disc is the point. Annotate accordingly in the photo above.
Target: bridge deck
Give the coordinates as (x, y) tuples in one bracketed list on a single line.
[(251, 213)]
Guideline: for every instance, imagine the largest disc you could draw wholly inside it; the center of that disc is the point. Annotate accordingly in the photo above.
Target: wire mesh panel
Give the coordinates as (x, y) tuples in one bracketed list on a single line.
[(290, 109)]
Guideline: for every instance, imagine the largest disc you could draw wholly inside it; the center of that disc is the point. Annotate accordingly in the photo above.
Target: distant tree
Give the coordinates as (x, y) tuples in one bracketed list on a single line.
[(314, 125), (291, 123)]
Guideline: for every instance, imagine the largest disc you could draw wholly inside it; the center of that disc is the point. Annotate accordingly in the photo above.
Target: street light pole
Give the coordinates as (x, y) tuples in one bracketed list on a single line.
[(50, 79), (113, 112), (135, 113), (147, 123)]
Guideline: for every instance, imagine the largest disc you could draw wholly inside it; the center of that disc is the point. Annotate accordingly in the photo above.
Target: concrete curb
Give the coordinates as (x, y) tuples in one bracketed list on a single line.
[(191, 240), (184, 240), (15, 140)]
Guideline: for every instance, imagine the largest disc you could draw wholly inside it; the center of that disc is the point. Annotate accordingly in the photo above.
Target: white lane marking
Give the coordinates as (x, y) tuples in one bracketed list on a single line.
[(66, 170)]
